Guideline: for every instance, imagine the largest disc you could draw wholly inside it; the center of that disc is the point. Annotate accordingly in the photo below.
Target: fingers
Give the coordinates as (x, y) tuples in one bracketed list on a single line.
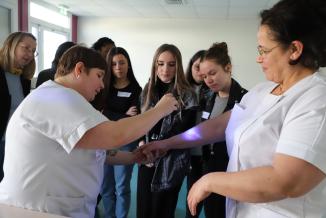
[(132, 111), (139, 157), (174, 100), (191, 203), (152, 151), (192, 207)]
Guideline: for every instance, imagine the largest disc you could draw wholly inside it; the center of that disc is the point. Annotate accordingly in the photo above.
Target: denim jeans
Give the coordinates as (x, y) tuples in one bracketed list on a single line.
[(115, 189)]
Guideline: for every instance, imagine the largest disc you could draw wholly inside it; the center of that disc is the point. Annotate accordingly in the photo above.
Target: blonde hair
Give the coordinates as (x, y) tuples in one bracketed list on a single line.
[(7, 54)]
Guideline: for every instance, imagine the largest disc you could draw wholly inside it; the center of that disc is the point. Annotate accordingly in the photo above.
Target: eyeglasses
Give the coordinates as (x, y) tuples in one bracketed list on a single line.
[(29, 50), (263, 51)]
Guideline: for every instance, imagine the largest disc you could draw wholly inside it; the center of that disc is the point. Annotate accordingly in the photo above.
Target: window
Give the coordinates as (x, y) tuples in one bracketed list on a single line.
[(51, 28), (48, 15), (5, 23), (8, 18)]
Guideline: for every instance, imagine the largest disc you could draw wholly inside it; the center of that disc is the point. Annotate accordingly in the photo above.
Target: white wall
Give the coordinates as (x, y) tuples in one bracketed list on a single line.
[(141, 37), (8, 18)]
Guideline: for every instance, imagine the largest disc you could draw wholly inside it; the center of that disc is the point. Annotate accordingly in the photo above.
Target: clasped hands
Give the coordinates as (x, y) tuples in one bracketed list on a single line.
[(149, 152)]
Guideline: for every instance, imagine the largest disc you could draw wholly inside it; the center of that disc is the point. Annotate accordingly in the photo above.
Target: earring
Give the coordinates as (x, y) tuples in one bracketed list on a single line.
[(77, 76)]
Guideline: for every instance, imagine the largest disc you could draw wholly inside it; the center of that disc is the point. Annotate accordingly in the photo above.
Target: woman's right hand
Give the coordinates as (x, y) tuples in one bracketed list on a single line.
[(167, 104), (132, 111)]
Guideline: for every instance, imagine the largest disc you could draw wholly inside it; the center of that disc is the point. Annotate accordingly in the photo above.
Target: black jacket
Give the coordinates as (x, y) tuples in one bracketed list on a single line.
[(219, 149), (5, 99), (45, 75), (171, 169)]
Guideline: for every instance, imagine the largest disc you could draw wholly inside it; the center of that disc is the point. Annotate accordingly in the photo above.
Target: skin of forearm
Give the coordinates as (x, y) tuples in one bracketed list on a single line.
[(207, 132), (121, 157), (114, 134), (254, 186), (136, 126), (257, 185)]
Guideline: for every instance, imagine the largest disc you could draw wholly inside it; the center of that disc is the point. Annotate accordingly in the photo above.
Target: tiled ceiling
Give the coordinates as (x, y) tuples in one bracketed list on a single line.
[(191, 9)]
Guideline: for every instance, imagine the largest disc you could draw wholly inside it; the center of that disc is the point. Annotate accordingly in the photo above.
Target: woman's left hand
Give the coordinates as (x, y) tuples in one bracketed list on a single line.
[(196, 194)]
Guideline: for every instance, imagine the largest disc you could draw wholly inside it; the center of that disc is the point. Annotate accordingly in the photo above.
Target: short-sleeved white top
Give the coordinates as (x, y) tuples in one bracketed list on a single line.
[(42, 169), (294, 124)]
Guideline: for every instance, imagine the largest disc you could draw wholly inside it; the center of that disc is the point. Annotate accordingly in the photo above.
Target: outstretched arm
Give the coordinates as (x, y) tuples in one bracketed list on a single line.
[(116, 157), (210, 131), (110, 134)]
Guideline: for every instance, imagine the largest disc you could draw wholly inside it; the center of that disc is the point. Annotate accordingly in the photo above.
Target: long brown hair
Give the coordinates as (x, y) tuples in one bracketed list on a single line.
[(180, 84)]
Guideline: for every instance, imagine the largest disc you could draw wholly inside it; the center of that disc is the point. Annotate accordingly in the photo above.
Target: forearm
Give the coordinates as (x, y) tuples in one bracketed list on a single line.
[(206, 132), (255, 185), (287, 177), (137, 126), (114, 134), (120, 158)]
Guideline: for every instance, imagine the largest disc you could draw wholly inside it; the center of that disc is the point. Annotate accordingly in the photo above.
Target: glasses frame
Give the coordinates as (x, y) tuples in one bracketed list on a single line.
[(264, 51), (29, 50)]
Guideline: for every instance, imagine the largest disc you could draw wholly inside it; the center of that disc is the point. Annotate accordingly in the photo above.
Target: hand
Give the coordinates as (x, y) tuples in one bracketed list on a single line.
[(154, 149), (141, 158), (167, 104), (196, 194), (132, 111)]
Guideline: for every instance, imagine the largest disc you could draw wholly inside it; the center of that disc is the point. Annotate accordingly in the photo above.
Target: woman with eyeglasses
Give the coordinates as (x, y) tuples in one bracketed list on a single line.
[(276, 134), (17, 67)]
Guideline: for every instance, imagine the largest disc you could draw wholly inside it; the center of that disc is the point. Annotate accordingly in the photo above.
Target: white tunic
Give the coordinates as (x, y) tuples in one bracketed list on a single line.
[(294, 124), (42, 169)]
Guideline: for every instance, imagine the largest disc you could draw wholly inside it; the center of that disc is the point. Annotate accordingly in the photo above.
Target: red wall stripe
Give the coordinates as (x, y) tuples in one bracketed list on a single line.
[(23, 15), (74, 24)]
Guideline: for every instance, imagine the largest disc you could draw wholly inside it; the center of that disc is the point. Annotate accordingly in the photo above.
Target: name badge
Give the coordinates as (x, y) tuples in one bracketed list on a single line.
[(205, 115), (124, 94)]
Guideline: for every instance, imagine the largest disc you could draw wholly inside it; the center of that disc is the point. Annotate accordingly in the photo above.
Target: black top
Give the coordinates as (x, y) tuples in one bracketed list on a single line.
[(5, 99), (45, 75), (219, 149), (118, 101)]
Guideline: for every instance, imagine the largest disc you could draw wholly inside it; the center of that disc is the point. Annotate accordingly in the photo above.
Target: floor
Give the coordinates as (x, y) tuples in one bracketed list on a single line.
[(180, 210)]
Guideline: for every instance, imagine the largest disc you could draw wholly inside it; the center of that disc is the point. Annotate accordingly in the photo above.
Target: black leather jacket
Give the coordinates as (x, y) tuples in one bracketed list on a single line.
[(171, 169), (5, 99)]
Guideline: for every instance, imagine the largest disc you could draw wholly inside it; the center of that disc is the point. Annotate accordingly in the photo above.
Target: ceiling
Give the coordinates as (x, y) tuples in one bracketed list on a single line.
[(173, 9)]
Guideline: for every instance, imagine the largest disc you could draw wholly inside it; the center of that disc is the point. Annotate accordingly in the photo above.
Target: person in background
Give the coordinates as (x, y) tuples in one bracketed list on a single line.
[(47, 74), (17, 67), (122, 100), (159, 183), (224, 92), (196, 80), (56, 140), (103, 46), (276, 135)]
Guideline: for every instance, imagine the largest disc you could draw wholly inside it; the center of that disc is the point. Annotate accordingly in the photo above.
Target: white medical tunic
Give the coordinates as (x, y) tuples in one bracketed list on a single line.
[(293, 124), (42, 169)]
